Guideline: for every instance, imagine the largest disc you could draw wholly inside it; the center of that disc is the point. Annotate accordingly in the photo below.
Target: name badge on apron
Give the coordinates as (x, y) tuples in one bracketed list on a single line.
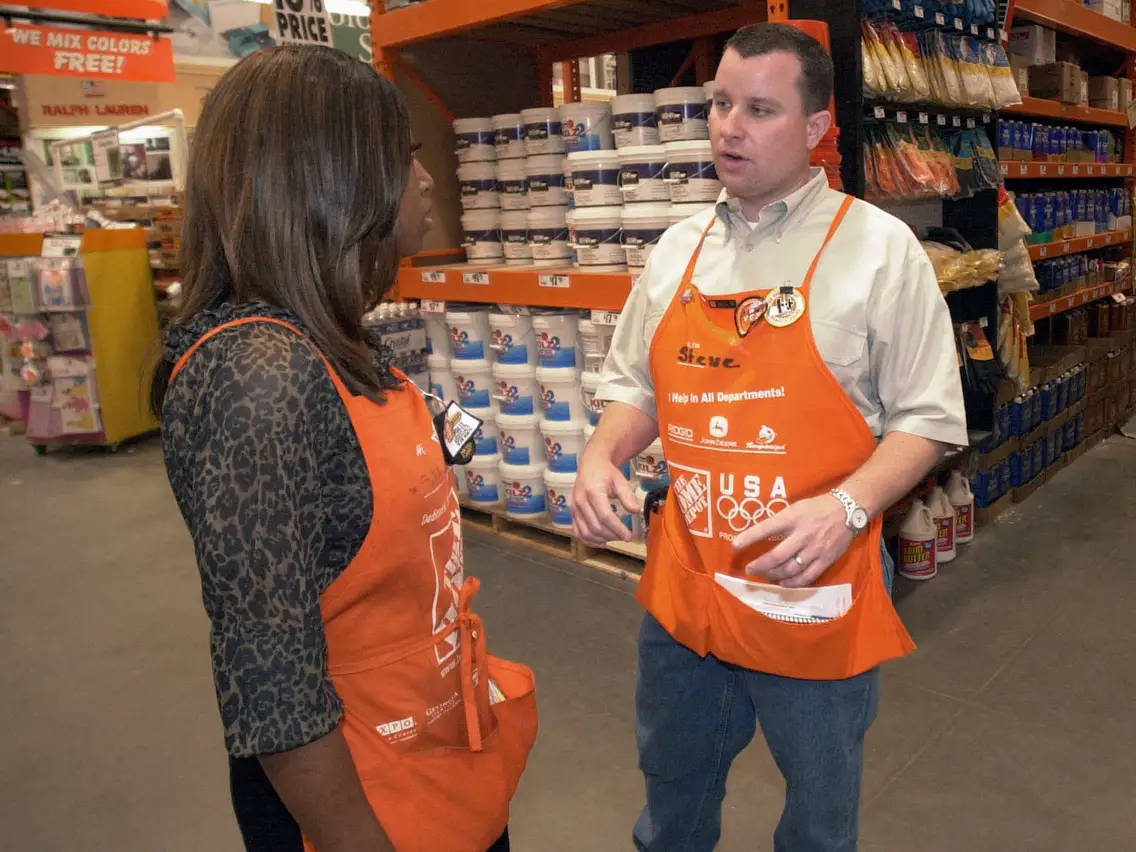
[(784, 306), (456, 429)]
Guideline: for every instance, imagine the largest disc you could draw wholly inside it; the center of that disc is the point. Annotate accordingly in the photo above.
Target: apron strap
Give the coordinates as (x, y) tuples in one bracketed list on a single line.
[(472, 632), (184, 359), (840, 214), (690, 264)]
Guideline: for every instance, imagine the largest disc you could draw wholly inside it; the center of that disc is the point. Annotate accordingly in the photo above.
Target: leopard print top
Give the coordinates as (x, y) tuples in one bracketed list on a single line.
[(271, 481)]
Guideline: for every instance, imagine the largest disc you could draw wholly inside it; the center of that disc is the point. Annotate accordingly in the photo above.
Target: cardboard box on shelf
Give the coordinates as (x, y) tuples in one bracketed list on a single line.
[(986, 515), (1124, 86), (1024, 492), (1083, 96), (1035, 43), (1019, 68), (1104, 93), (1109, 8), (991, 460), (1060, 81)]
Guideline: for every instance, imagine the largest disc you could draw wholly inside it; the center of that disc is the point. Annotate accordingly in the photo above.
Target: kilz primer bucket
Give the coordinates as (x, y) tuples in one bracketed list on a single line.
[(521, 441), (475, 383), (682, 113), (595, 178), (523, 485), (598, 239), (690, 173), (474, 138), (641, 174), (560, 393), (563, 444), (556, 339), (515, 388), (483, 477), (543, 133), (586, 126), (469, 334), (481, 236), (634, 120), (487, 442), (513, 338), (558, 495)]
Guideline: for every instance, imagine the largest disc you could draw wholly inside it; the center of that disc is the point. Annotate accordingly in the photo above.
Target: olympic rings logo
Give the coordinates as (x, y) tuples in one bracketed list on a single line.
[(743, 515)]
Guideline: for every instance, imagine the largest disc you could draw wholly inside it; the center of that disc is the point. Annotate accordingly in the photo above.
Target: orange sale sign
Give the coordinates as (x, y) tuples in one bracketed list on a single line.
[(147, 9), (93, 54)]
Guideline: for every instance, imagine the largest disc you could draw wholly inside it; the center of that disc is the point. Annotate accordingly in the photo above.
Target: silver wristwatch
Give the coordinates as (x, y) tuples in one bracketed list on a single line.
[(856, 517)]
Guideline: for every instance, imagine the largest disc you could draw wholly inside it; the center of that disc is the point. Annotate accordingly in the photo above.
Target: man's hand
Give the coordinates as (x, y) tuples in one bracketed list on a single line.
[(597, 484), (815, 536)]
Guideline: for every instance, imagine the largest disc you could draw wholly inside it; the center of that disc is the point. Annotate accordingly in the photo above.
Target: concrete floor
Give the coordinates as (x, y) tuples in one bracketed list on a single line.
[(1012, 728)]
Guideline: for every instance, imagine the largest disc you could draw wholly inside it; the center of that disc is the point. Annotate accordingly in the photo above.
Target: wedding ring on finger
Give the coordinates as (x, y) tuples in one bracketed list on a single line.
[(799, 561)]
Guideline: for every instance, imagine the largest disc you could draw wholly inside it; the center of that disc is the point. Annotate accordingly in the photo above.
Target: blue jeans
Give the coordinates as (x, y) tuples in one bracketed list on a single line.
[(696, 714)]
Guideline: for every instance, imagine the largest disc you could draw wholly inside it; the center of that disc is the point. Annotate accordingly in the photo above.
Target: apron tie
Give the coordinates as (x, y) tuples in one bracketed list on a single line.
[(472, 635)]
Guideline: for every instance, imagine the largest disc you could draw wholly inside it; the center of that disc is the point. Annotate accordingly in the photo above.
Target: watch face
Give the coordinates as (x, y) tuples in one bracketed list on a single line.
[(860, 519)]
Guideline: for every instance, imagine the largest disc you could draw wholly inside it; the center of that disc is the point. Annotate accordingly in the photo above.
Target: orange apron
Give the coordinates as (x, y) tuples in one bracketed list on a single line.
[(438, 760), (751, 419)]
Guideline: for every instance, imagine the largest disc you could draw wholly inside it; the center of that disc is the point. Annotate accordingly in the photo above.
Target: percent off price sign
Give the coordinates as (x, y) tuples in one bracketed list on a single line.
[(303, 22)]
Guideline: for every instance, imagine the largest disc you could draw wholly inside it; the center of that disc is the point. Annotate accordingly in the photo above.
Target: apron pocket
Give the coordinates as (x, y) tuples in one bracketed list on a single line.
[(517, 720)]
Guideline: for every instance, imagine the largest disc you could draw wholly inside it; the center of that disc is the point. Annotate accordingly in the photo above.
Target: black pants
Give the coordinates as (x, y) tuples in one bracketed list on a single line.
[(264, 821)]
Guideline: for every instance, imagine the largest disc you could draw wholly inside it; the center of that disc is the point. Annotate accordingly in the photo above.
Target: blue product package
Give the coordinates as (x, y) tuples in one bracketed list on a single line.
[(1016, 417), (1035, 418), (483, 446), (1005, 134), (1069, 434), (1016, 470), (1040, 142), (1003, 421), (1063, 393), (1048, 403), (1037, 459), (1080, 428), (480, 490), (559, 509), (1004, 478), (559, 460), (979, 482)]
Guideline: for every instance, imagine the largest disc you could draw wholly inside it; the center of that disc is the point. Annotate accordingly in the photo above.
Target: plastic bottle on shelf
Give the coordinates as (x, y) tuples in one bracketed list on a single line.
[(943, 514), (962, 499), (917, 539)]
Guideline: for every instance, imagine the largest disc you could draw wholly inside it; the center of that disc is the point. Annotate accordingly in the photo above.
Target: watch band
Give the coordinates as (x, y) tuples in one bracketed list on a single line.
[(850, 508)]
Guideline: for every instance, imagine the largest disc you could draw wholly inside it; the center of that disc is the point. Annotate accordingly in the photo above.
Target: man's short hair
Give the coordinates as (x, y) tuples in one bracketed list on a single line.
[(816, 64)]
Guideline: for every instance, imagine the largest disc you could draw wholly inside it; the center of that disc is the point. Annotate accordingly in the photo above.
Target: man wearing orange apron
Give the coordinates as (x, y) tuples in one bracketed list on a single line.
[(792, 351)]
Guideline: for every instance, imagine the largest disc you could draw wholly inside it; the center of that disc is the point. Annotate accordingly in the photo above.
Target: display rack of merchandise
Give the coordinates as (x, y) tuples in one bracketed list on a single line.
[(79, 321)]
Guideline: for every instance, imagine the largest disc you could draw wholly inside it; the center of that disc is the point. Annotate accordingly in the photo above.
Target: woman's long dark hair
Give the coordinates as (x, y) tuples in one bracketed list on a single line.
[(297, 166)]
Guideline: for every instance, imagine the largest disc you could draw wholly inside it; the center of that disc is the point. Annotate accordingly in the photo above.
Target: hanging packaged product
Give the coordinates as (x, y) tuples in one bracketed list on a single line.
[(997, 64), (976, 85), (942, 69), (943, 514), (918, 544)]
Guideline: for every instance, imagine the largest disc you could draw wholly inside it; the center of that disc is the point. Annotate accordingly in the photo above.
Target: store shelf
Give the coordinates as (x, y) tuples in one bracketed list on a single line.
[(1074, 18), (1043, 251), (562, 287), (1041, 108), (1022, 169), (1042, 310), (544, 22)]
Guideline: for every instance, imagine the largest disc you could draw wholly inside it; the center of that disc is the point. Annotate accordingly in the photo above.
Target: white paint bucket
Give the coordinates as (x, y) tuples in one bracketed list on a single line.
[(651, 467), (469, 333), (512, 185), (515, 237), (560, 393), (643, 225), (477, 183), (515, 389), (682, 113), (690, 172), (474, 140), (708, 92), (589, 384), (558, 496), (681, 212), (595, 178), (634, 120), (481, 236), (521, 441), (586, 126), (474, 379), (513, 338), (483, 480), (594, 339), (523, 487), (437, 333), (487, 442), (545, 177), (442, 383), (508, 135), (598, 239), (548, 236), (462, 482), (638, 526), (641, 173), (563, 444), (543, 133), (570, 222), (556, 339)]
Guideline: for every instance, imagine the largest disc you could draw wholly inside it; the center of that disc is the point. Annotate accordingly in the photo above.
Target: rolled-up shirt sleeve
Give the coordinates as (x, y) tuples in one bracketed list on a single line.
[(913, 360), (626, 374)]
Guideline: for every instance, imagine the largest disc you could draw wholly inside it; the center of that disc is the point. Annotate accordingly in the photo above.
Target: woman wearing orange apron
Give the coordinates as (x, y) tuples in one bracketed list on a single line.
[(360, 705)]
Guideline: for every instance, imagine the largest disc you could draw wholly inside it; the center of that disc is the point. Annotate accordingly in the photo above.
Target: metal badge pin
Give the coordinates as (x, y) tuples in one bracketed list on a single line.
[(749, 313), (687, 296), (784, 306)]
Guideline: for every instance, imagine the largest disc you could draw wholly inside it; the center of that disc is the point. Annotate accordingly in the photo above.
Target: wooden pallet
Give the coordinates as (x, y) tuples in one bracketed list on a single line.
[(623, 560)]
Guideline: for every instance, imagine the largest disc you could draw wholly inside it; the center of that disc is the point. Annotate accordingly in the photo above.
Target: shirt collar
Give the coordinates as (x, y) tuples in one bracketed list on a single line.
[(776, 215)]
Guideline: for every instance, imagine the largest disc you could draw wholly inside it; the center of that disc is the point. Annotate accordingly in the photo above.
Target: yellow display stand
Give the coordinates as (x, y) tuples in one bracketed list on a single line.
[(123, 321)]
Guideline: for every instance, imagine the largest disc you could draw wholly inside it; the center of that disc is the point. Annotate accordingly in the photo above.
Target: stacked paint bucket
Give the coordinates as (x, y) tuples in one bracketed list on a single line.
[(480, 195), (666, 168)]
